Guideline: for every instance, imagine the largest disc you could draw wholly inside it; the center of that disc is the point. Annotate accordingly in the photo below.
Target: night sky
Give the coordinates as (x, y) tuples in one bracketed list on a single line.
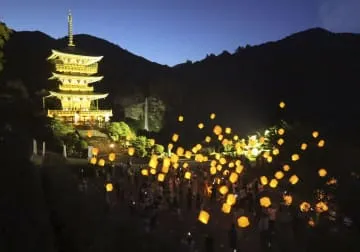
[(173, 31)]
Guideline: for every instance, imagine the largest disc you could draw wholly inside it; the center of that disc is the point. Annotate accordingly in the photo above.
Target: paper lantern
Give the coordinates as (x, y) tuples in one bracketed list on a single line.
[(185, 165), (217, 130), (315, 134), (279, 175), (153, 163), (282, 105), (322, 172), (222, 161), (220, 137), (187, 175), (207, 139), (243, 222), (101, 162), (281, 131), (166, 162), (263, 180), (204, 217), (275, 151), (223, 189), (175, 137), (194, 150), (262, 140), (235, 137), (93, 161), (188, 154), (212, 170), (152, 171), (280, 141), (131, 151), (217, 156), (231, 165), (199, 158), (321, 207), (311, 222), (181, 118), (111, 157), (233, 177), (144, 172), (165, 169), (265, 202), (200, 125), (95, 151), (239, 169), (266, 154), (180, 151), (89, 133), (231, 199), (273, 183), (174, 158), (303, 146), (225, 142), (295, 157), (176, 165), (226, 208), (321, 143), (286, 167), (213, 163), (269, 159), (287, 199), (219, 167), (212, 116), (170, 146), (109, 187), (161, 177), (228, 130), (305, 207), (238, 162), (294, 179)]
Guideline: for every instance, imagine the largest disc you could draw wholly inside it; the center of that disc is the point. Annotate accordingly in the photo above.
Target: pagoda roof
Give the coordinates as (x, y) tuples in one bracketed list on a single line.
[(92, 95), (90, 79), (73, 52)]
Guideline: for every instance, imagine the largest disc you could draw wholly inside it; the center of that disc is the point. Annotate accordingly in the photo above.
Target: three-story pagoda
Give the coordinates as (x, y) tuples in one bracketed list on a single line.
[(76, 71)]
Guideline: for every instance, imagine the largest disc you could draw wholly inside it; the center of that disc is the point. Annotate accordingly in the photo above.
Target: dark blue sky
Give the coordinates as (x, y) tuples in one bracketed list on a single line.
[(172, 31)]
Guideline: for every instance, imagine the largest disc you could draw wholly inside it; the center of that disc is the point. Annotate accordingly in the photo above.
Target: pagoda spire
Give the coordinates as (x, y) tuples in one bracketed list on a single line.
[(70, 30)]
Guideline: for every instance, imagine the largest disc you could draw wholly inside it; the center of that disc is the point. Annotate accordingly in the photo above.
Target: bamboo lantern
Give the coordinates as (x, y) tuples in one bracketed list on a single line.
[(322, 172), (295, 157), (200, 125), (231, 165), (174, 158), (95, 151), (230, 199), (226, 208), (185, 165), (321, 207), (303, 146), (207, 139), (217, 130), (287, 199), (212, 116), (275, 152), (235, 137), (286, 167), (228, 130), (233, 177), (222, 161), (279, 175), (264, 180), (175, 137), (273, 183), (165, 169), (265, 202), (93, 161), (282, 105), (243, 222), (180, 151), (212, 170), (188, 154), (315, 134), (111, 157), (187, 175), (223, 189), (109, 187), (281, 131), (280, 141), (161, 177), (152, 171), (181, 118), (321, 143), (305, 207), (204, 217), (89, 133), (294, 179), (101, 162), (131, 151), (145, 172)]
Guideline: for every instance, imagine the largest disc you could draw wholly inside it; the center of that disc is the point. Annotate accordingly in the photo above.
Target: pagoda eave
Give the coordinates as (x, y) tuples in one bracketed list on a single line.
[(89, 59), (89, 79), (90, 95)]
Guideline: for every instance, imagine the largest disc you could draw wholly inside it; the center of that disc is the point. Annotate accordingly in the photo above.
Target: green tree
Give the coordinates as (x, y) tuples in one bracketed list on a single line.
[(140, 144), (120, 130), (4, 36), (159, 149)]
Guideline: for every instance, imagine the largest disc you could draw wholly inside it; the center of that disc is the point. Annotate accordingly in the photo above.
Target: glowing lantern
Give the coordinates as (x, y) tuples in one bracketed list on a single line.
[(303, 146), (95, 151), (145, 172), (222, 161), (217, 156), (321, 143), (181, 118), (305, 207), (111, 157), (266, 154), (213, 163), (165, 169), (294, 179), (243, 222), (180, 151), (176, 165), (199, 158), (332, 181), (187, 175), (220, 137), (175, 137), (131, 151), (231, 165), (275, 152), (89, 133), (226, 208), (281, 131), (188, 154), (280, 141), (152, 171), (170, 146), (226, 172), (204, 217), (287, 199), (282, 105), (311, 222), (273, 183), (212, 116), (161, 177), (200, 125), (239, 169), (151, 142), (212, 170), (223, 189), (93, 160), (185, 165), (265, 202), (109, 187), (269, 159), (236, 137), (263, 180), (315, 134), (219, 167), (286, 167), (295, 157), (228, 130), (238, 162), (321, 207), (153, 162), (279, 175), (225, 142), (217, 130), (322, 172), (207, 139), (233, 177), (174, 158), (231, 199), (101, 162)]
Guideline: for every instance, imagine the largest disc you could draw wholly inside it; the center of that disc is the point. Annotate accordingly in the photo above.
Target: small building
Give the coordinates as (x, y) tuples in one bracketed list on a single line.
[(76, 73)]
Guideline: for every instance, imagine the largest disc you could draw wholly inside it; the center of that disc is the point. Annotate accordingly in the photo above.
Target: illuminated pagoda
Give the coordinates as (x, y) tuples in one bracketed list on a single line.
[(75, 71)]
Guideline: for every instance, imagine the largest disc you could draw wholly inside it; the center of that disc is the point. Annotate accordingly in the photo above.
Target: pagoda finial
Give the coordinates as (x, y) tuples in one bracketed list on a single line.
[(70, 30)]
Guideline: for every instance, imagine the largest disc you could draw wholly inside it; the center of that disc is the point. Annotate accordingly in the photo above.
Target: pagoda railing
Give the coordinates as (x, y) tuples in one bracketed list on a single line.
[(72, 68), (86, 113)]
